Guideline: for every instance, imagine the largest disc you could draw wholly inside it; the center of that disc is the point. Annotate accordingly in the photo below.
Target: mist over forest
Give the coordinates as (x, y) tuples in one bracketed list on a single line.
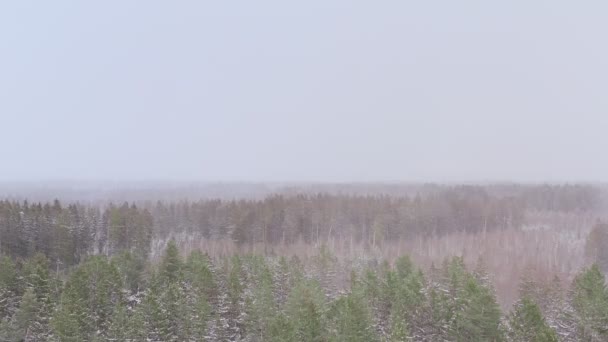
[(313, 171), (303, 262)]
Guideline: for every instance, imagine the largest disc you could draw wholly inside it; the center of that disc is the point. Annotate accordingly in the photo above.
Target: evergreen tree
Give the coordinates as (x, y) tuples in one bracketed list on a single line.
[(404, 298), (560, 314), (480, 316), (281, 330), (526, 324), (171, 264), (236, 296), (22, 326), (130, 268), (72, 321), (399, 331), (351, 319), (200, 275), (305, 309), (118, 329), (90, 296), (150, 313), (261, 306), (590, 300), (9, 287)]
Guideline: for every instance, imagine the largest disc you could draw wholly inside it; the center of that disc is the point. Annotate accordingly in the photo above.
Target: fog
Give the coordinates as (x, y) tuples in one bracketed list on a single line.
[(322, 91)]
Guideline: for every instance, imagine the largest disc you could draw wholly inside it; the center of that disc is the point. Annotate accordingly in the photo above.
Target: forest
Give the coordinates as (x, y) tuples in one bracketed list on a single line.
[(429, 263)]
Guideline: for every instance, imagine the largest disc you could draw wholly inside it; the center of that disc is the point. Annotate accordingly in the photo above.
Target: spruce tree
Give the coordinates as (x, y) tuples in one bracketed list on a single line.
[(118, 329), (72, 320), (351, 320), (9, 287), (305, 309), (22, 326), (480, 314), (171, 264), (526, 324), (281, 329), (399, 331), (261, 306), (590, 300)]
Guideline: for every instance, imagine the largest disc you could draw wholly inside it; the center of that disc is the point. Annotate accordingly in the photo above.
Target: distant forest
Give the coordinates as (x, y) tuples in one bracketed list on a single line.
[(67, 232), (257, 299), (506, 263)]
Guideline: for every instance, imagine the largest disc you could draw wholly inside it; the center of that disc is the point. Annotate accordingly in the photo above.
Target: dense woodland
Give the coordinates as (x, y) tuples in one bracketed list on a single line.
[(65, 233), (82, 272), (256, 298)]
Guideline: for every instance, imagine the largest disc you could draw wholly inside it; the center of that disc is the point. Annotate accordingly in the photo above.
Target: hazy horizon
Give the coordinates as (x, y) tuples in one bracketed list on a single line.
[(318, 92)]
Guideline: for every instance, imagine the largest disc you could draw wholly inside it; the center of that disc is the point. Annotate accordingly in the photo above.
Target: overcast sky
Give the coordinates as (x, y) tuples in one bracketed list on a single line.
[(304, 90)]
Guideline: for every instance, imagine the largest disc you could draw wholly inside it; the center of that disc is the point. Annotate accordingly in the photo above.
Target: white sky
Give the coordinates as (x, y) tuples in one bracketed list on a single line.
[(304, 91)]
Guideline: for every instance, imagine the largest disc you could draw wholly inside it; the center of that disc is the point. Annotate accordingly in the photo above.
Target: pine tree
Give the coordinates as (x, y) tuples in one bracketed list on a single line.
[(37, 276), (282, 282), (171, 264), (526, 324), (200, 275), (118, 329), (480, 315), (9, 287), (235, 289), (150, 313), (90, 296), (404, 298), (590, 300), (22, 326), (175, 321), (560, 314), (200, 289), (399, 332), (351, 320), (66, 322), (72, 321), (130, 268), (326, 264), (261, 306), (305, 309), (281, 330)]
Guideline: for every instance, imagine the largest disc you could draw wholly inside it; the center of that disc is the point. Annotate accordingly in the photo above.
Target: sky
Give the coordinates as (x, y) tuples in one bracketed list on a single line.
[(318, 90)]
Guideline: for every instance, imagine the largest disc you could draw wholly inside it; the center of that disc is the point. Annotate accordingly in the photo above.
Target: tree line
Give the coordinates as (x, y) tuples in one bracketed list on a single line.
[(67, 233), (258, 298)]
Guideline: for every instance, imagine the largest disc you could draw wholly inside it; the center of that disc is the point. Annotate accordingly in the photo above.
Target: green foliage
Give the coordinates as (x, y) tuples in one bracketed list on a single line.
[(590, 300), (281, 329), (399, 331), (25, 321), (480, 316), (461, 308), (129, 229), (235, 280), (118, 329), (9, 286), (254, 298), (261, 306), (526, 324), (131, 270), (350, 319), (199, 274), (305, 309), (88, 300), (175, 307), (171, 264)]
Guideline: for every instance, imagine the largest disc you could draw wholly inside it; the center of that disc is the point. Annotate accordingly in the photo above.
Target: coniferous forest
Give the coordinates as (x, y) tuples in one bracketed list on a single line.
[(303, 171), (141, 270)]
